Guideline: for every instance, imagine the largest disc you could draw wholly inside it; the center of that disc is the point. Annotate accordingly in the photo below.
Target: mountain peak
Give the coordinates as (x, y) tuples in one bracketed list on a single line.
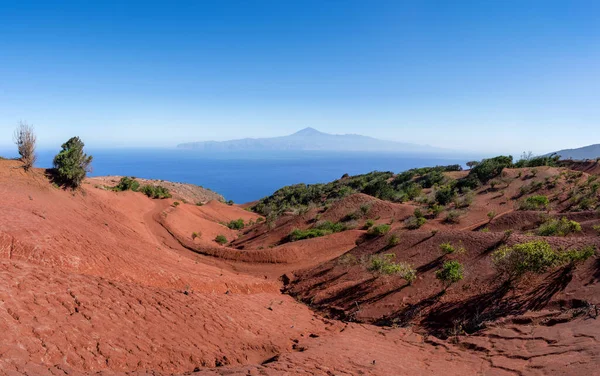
[(308, 131)]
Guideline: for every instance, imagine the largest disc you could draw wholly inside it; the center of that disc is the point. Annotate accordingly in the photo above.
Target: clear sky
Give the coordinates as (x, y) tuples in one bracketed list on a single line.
[(488, 76)]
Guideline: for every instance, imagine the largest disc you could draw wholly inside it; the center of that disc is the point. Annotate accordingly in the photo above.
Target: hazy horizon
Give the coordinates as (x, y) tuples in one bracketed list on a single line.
[(492, 77)]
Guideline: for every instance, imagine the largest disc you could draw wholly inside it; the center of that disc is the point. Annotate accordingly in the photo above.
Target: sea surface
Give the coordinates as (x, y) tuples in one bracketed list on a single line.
[(245, 177)]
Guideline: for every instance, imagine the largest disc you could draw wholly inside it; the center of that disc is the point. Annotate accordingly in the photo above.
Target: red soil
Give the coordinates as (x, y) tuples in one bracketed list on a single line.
[(105, 282)]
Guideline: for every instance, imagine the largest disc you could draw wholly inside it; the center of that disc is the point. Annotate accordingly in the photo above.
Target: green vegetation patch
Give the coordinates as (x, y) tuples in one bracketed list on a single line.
[(155, 191), (538, 202), (559, 227), (451, 272), (384, 264)]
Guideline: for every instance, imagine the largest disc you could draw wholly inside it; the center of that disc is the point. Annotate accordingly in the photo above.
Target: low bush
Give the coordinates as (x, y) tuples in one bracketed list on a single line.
[(221, 239), (379, 230), (236, 224), (384, 264), (464, 201), (535, 256), (127, 184), (196, 234), (155, 191), (575, 256), (562, 227), (451, 272), (435, 210), (369, 223), (444, 195), (453, 216), (393, 240), (330, 226), (597, 229), (537, 202), (448, 248), (413, 222), (298, 234), (176, 204)]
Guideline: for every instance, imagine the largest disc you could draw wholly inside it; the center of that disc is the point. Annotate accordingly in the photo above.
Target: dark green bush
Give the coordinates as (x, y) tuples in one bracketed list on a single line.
[(330, 226), (298, 234), (451, 272), (71, 163), (236, 224), (155, 191), (444, 195), (488, 169), (127, 184), (221, 239)]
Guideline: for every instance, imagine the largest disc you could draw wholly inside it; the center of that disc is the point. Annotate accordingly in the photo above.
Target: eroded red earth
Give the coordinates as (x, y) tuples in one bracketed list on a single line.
[(103, 282)]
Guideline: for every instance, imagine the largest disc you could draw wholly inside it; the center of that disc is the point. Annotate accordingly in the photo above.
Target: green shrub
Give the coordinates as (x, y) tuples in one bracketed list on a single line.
[(236, 224), (393, 240), (155, 191), (71, 163), (491, 215), (413, 222), (448, 248), (490, 168), (597, 229), (453, 216), (575, 256), (562, 227), (451, 272), (176, 203), (196, 234), (330, 226), (379, 230), (369, 223), (221, 239), (364, 209), (537, 202), (444, 195), (464, 201), (384, 264), (298, 234), (535, 256), (435, 210), (351, 216), (127, 184), (199, 203)]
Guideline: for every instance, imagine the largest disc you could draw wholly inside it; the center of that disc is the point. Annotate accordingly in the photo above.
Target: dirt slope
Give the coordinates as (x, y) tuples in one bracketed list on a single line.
[(103, 282)]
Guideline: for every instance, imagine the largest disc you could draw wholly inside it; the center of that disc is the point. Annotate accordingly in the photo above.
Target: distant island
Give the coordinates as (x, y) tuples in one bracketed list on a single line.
[(312, 139), (586, 152)]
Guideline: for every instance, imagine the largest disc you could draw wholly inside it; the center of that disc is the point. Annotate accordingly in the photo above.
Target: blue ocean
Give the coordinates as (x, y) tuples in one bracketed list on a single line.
[(244, 177)]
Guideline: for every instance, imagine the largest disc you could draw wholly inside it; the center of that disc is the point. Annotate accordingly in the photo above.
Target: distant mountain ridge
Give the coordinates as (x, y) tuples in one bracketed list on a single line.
[(586, 152), (311, 139)]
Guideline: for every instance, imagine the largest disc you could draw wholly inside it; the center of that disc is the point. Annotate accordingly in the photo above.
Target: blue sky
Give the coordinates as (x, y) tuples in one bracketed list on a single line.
[(491, 76)]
